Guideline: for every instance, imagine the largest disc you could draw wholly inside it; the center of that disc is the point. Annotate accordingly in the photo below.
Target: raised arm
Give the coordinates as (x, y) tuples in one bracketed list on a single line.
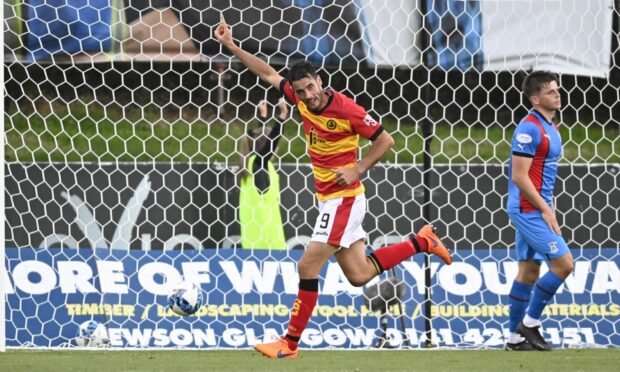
[(259, 67), (266, 152)]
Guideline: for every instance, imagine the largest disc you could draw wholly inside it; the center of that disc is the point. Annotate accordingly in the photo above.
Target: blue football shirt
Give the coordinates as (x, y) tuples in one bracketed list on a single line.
[(540, 140)]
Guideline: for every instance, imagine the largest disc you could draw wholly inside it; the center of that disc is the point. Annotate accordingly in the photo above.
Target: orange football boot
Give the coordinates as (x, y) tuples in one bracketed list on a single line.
[(435, 246), (277, 349)]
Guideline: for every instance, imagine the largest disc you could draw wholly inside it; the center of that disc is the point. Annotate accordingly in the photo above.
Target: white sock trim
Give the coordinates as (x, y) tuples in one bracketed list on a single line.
[(530, 322), (515, 338)]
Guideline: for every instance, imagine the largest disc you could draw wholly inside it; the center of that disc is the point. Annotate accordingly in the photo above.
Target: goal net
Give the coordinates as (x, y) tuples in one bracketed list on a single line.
[(123, 123)]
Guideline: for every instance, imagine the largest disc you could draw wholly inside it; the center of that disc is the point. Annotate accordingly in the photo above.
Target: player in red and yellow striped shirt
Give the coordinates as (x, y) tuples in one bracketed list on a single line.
[(332, 123), (332, 133)]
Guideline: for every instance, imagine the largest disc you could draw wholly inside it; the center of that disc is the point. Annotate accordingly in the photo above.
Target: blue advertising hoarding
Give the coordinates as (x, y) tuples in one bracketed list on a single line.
[(248, 295)]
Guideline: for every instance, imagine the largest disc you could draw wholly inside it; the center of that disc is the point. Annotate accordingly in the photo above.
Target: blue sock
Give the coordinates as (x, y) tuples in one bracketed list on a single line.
[(519, 297), (544, 291)]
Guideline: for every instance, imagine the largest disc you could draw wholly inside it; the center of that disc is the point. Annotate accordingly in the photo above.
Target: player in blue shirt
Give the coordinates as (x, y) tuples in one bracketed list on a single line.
[(532, 170)]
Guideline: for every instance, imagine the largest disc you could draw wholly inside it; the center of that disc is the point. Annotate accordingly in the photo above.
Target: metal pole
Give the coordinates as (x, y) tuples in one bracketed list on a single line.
[(3, 261), (427, 133)]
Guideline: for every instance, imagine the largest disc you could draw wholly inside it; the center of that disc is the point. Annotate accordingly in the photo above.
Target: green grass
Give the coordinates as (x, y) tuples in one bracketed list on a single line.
[(422, 360), (83, 133)]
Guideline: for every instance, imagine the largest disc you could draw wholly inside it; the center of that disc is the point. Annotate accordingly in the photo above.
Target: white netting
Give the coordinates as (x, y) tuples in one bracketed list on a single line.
[(121, 128)]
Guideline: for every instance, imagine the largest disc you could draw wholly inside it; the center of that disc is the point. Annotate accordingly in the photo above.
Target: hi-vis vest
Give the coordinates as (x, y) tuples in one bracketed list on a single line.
[(259, 214)]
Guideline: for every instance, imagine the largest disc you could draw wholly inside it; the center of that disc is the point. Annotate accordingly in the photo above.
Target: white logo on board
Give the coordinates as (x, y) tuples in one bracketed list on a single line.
[(93, 231)]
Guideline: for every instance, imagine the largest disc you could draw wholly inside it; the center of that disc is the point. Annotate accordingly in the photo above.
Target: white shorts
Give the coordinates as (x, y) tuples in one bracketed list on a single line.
[(340, 221)]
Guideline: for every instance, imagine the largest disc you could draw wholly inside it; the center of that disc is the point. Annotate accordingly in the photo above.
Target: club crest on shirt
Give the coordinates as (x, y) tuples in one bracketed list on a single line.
[(331, 125), (368, 120), (524, 138)]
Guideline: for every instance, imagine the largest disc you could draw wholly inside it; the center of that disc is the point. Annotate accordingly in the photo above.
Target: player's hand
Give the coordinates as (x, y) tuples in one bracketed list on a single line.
[(262, 109), (346, 176), (283, 107), (551, 221), (223, 34)]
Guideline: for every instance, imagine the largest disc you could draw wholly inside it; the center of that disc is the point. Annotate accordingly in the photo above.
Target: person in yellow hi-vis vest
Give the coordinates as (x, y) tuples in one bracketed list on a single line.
[(259, 198)]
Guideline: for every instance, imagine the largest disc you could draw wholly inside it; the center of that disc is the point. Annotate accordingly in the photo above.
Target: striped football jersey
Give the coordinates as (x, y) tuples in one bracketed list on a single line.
[(333, 136)]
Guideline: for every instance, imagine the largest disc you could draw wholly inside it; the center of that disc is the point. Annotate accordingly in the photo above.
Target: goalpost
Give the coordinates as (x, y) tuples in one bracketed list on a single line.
[(121, 168), (2, 236)]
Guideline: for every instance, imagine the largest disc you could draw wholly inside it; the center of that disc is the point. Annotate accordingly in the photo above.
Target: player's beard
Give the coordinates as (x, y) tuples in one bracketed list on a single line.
[(315, 104)]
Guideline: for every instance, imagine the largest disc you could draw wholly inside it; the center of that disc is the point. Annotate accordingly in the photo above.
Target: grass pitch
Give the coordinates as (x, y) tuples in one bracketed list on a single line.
[(572, 360), (77, 133)]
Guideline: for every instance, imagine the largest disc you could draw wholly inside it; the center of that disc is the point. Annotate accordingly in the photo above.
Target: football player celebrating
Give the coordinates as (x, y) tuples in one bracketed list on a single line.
[(332, 124)]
